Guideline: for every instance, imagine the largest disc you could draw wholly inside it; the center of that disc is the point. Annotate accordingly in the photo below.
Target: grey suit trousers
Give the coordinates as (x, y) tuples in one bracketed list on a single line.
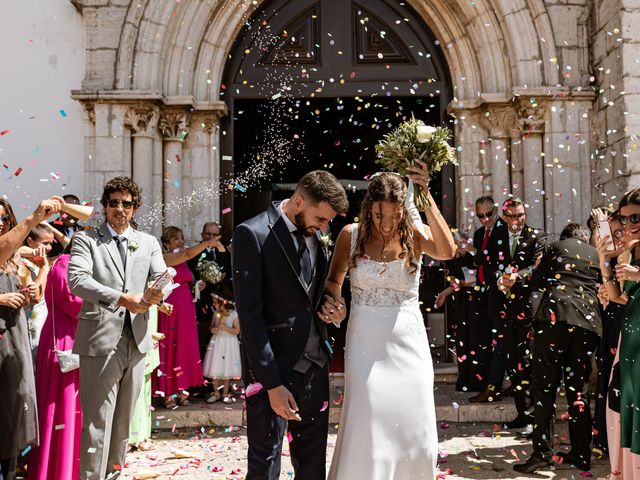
[(109, 387)]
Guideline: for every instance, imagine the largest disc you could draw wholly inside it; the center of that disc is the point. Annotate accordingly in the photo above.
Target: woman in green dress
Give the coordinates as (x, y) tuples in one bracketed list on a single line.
[(140, 426), (629, 352)]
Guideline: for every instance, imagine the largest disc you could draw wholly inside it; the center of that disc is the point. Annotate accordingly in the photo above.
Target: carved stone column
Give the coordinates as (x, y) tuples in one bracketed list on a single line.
[(532, 122), (494, 121), (174, 127), (201, 182), (473, 172), (142, 121)]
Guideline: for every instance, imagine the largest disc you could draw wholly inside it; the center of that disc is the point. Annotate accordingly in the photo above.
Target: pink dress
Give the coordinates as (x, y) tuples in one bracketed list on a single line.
[(59, 413), (180, 365)]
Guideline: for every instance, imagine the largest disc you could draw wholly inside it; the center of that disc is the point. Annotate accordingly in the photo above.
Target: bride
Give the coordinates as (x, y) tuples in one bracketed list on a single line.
[(388, 424)]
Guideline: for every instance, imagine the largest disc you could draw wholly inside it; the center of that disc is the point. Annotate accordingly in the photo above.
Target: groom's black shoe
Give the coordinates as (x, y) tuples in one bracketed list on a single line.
[(570, 458), (533, 464), (520, 421)]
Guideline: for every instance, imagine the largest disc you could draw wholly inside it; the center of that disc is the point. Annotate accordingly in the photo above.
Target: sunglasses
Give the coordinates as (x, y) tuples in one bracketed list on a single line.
[(516, 215), (482, 215), (634, 219), (126, 204)]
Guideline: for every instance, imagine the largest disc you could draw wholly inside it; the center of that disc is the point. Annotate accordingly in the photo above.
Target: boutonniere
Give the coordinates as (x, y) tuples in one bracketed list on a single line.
[(133, 246), (326, 242)]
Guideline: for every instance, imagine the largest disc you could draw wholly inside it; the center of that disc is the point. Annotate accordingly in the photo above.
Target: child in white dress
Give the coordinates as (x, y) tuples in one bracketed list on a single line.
[(222, 360)]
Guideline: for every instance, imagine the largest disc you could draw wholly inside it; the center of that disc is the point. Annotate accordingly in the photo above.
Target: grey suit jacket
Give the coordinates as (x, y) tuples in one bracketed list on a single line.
[(96, 275)]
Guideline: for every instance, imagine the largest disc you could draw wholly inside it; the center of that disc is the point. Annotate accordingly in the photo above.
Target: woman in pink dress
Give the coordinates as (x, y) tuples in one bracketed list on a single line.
[(180, 365), (59, 414)]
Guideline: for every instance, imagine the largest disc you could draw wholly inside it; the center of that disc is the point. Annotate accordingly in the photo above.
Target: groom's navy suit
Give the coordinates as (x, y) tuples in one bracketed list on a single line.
[(284, 343)]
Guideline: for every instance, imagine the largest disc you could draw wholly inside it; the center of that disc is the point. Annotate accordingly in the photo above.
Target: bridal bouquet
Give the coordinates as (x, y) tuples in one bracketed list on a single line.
[(210, 271), (411, 141)]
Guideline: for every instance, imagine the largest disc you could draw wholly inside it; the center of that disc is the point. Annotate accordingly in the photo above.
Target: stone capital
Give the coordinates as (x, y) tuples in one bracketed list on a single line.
[(142, 120), (531, 115), (91, 112), (174, 126), (498, 121), (211, 121)]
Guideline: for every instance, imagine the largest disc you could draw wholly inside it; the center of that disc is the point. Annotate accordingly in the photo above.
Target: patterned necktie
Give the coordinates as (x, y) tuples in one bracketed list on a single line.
[(123, 253), (514, 246), (305, 258)]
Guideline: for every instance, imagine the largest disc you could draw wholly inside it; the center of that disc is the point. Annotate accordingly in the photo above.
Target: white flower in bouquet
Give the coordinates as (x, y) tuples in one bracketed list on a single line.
[(424, 133), (414, 140)]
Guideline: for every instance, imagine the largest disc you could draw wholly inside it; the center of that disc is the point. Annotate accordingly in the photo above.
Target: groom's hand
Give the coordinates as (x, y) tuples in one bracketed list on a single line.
[(283, 403)]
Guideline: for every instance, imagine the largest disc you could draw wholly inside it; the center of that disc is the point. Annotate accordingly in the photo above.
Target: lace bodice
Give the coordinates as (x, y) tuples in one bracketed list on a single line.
[(379, 284)]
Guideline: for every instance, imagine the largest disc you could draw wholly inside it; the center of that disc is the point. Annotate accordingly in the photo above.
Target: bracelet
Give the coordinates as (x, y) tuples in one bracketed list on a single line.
[(608, 279)]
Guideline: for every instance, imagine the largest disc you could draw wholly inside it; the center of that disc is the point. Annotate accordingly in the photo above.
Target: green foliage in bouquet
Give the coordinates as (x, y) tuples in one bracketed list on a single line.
[(413, 140)]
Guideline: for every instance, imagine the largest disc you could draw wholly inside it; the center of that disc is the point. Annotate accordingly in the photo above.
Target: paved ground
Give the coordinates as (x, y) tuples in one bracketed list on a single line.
[(467, 451)]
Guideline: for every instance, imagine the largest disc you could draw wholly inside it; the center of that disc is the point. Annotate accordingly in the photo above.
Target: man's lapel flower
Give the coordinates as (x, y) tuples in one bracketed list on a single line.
[(325, 241), (133, 246)]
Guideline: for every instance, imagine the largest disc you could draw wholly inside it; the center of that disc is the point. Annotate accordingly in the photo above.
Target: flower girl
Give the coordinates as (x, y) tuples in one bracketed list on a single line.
[(222, 360)]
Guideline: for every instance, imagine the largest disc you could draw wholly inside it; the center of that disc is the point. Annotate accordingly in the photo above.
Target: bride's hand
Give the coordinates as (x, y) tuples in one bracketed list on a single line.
[(419, 174), (332, 310)]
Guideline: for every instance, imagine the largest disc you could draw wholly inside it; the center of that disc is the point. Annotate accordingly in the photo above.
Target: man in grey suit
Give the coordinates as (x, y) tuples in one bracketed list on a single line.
[(110, 268)]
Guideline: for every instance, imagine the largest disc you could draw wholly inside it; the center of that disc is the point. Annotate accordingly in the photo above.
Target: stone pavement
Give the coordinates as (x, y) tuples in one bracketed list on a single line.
[(467, 451), (472, 443)]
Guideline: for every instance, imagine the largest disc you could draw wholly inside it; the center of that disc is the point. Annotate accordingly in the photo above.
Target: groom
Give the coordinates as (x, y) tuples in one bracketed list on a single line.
[(279, 270)]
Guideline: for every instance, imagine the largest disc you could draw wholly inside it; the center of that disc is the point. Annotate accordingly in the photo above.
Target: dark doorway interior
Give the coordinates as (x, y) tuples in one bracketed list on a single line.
[(290, 137)]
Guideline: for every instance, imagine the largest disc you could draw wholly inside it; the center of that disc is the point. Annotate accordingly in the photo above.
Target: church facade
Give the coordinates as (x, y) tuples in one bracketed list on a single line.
[(543, 95)]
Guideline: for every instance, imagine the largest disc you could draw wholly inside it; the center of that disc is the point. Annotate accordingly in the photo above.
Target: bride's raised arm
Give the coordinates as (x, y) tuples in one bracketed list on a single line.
[(339, 263), (435, 237)]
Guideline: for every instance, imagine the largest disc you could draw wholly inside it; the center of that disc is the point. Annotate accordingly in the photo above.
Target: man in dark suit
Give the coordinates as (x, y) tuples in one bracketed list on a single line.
[(279, 270), (487, 295), (567, 329), (514, 253), (204, 305)]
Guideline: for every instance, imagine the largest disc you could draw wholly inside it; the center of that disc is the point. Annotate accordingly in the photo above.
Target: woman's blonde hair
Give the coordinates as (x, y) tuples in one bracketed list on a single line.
[(387, 187)]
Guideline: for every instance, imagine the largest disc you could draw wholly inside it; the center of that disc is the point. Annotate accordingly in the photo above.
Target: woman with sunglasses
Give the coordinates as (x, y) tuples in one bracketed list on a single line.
[(624, 450), (18, 414)]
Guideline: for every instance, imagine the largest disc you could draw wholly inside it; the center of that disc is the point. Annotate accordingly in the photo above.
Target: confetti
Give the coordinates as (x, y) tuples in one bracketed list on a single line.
[(62, 113)]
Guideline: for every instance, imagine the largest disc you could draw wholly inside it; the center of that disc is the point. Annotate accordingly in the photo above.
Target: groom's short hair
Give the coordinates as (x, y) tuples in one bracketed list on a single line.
[(320, 186)]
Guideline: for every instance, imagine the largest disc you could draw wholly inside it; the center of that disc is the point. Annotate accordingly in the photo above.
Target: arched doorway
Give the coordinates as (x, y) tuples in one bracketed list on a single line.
[(315, 84)]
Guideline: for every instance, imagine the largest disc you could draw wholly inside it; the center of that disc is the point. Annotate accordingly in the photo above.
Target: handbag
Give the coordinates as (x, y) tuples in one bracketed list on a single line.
[(67, 360)]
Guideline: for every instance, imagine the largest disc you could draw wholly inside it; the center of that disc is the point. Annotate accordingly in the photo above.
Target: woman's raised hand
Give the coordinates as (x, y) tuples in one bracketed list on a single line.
[(48, 207), (419, 174)]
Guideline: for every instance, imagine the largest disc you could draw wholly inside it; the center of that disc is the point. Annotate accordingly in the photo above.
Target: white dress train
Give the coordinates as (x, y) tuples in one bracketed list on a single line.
[(388, 425)]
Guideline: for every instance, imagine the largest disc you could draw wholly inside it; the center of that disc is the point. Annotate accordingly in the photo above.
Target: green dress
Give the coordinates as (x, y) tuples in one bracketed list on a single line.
[(630, 369), (140, 426)]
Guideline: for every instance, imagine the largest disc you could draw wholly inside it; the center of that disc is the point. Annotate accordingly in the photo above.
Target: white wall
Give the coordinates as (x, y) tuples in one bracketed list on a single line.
[(42, 61)]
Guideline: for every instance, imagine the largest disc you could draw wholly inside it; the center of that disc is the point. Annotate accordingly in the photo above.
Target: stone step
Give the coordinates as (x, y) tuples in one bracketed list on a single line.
[(451, 406)]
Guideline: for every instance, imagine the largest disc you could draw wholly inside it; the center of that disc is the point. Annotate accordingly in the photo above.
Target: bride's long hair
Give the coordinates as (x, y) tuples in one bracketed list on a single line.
[(387, 187)]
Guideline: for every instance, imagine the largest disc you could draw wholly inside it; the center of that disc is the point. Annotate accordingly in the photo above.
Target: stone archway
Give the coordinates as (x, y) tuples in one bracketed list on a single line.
[(516, 113)]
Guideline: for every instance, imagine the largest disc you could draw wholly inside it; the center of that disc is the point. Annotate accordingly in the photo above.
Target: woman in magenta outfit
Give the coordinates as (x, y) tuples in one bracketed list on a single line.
[(180, 366), (59, 414)]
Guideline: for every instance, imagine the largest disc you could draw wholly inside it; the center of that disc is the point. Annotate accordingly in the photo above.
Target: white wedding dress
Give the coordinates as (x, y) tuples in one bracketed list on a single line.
[(388, 425)]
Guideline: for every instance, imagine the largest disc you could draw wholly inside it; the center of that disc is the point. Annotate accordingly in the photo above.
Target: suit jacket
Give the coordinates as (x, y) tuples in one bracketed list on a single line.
[(530, 246), (567, 275), (483, 258), (96, 275), (274, 307)]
